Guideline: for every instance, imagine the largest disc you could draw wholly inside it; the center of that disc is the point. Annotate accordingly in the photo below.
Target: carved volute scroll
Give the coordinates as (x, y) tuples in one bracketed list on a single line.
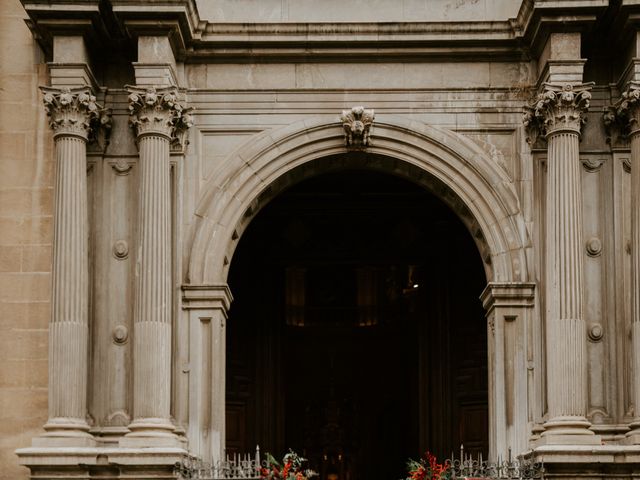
[(74, 112), (357, 126), (557, 108), (623, 118), (158, 112)]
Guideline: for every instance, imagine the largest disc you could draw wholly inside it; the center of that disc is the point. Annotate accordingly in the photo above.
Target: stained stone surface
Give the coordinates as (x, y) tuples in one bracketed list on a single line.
[(26, 215), (449, 81)]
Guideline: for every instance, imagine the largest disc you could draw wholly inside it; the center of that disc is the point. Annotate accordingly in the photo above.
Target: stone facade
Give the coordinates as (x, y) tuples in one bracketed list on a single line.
[(26, 232), (163, 127)]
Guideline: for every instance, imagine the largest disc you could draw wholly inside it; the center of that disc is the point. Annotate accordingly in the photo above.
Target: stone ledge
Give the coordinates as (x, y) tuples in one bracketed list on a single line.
[(35, 457), (588, 461), (199, 297)]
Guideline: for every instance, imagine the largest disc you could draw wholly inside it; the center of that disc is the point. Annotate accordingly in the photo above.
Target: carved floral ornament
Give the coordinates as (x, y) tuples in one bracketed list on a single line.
[(158, 111), (357, 124), (557, 108), (623, 118), (74, 112)]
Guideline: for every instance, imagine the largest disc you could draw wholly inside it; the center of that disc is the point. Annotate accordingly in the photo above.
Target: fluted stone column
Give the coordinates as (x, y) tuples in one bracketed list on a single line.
[(72, 114), (157, 117), (627, 112), (559, 113)]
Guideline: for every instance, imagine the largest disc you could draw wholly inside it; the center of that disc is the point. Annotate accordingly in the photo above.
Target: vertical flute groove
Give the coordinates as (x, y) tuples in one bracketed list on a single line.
[(152, 329), (68, 344), (157, 115), (566, 330), (635, 274)]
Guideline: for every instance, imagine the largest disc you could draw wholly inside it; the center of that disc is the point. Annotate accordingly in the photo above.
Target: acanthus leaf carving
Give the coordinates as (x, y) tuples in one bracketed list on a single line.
[(158, 111), (100, 135), (75, 112), (557, 108), (622, 119), (357, 124)]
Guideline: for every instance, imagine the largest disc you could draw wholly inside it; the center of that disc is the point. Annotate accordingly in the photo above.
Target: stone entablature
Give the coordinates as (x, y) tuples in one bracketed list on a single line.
[(195, 38)]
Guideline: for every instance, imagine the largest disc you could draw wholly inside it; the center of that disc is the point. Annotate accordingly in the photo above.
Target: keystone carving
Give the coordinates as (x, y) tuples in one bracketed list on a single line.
[(74, 112), (557, 108), (357, 126), (158, 111)]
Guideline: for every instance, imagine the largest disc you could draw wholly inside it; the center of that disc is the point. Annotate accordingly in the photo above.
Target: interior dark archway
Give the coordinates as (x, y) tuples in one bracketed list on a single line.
[(356, 335)]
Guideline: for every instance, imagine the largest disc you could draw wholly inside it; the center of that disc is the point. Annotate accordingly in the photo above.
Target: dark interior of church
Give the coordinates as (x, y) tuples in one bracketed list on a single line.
[(356, 336)]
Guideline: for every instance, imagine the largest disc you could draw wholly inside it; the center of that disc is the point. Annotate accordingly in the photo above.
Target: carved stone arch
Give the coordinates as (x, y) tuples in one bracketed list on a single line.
[(449, 164)]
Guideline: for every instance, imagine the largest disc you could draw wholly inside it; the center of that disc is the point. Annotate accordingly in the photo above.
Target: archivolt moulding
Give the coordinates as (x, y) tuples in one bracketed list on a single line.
[(447, 163)]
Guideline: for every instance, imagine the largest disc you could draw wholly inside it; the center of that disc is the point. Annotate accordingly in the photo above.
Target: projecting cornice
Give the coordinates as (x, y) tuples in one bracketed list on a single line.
[(538, 18), (194, 39)]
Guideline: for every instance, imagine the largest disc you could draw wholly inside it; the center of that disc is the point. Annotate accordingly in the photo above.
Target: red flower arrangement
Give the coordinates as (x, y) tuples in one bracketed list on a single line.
[(289, 469), (428, 468)]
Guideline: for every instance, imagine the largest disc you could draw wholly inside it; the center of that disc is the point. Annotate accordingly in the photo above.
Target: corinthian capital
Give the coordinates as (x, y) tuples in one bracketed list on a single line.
[(73, 112), (558, 108), (158, 111), (624, 117)]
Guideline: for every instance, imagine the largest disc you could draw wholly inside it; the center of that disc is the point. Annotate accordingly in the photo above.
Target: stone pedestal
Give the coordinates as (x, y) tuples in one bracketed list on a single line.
[(587, 462), (92, 463), (509, 309), (207, 306), (156, 115), (71, 113)]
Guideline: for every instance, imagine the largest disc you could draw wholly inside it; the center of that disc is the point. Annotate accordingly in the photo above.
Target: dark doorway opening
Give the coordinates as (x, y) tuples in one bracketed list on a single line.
[(356, 336)]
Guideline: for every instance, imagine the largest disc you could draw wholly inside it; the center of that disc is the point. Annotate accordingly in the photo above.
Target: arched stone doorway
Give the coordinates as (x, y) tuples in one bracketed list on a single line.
[(449, 166), (356, 331)]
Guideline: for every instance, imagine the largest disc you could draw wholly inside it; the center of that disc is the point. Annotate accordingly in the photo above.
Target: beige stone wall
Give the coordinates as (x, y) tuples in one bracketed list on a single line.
[(357, 10), (26, 186)]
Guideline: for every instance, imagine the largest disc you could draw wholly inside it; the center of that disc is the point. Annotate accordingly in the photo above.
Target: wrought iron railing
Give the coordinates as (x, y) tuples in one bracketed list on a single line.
[(233, 467), (246, 467), (466, 467)]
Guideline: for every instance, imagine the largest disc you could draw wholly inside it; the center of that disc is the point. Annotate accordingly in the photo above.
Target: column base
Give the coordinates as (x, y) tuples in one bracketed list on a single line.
[(568, 430), (65, 432), (151, 432), (633, 436)]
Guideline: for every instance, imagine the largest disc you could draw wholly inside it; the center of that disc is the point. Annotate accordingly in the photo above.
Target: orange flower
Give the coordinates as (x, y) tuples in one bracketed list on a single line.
[(418, 474), (285, 470)]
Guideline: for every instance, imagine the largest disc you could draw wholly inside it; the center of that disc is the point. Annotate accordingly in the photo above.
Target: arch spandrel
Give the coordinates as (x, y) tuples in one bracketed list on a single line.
[(447, 163)]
